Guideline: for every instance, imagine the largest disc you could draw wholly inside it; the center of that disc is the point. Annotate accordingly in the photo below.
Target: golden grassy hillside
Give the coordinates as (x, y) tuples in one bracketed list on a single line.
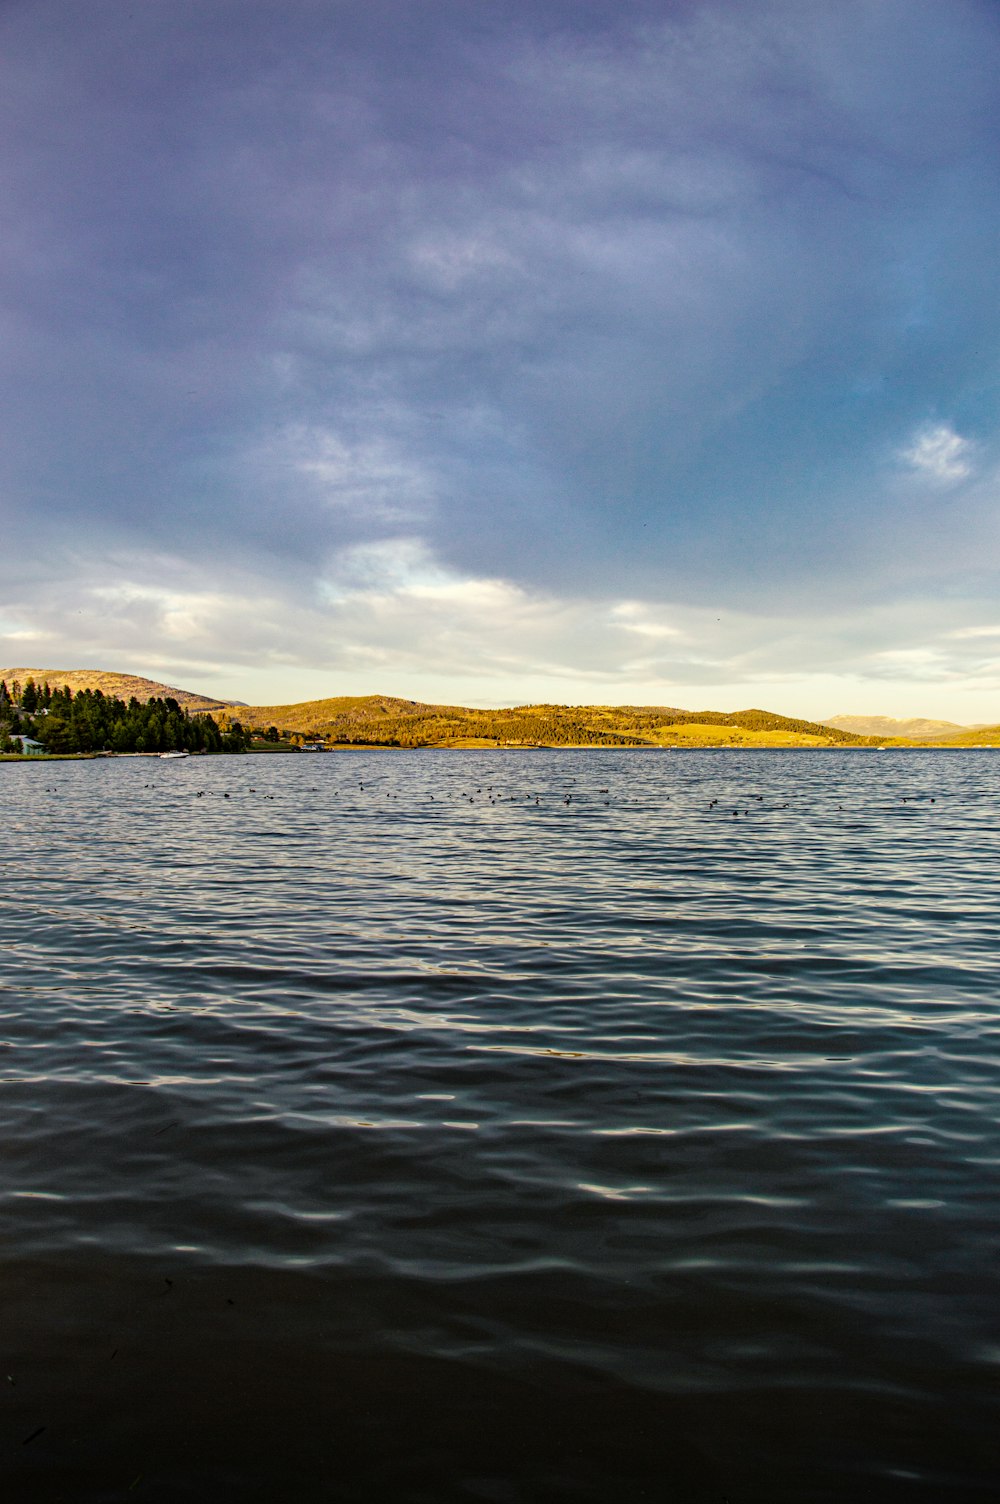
[(122, 686), (380, 720), (972, 736), (388, 720)]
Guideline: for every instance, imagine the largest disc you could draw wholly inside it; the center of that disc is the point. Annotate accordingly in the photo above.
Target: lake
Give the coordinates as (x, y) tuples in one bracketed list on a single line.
[(501, 1126)]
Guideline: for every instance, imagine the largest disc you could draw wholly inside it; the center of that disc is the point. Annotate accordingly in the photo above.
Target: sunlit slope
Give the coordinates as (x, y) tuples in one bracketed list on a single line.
[(916, 728), (973, 736), (388, 720), (379, 720), (122, 686)]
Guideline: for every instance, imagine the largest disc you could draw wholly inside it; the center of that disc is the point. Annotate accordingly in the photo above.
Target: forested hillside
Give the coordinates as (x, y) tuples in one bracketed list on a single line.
[(90, 721), (377, 720), (92, 718)]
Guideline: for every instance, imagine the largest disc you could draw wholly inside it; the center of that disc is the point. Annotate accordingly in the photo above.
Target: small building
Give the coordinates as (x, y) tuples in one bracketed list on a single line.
[(29, 747)]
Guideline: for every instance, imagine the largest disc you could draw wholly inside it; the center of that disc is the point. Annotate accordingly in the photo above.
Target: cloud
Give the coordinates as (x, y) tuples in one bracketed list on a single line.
[(545, 335), (368, 476), (634, 616), (394, 618), (940, 454), (968, 633)]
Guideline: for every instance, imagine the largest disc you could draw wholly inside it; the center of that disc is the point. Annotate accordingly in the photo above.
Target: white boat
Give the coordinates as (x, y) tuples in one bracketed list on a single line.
[(165, 755)]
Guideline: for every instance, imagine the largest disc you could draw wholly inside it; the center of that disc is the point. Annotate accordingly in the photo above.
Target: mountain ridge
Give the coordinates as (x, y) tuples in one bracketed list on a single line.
[(393, 720)]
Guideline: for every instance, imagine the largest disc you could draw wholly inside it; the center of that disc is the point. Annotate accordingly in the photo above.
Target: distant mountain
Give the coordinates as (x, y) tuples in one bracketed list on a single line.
[(123, 686), (885, 725), (971, 736)]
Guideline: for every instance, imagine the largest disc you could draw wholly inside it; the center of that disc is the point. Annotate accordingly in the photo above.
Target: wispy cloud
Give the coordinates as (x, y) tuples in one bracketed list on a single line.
[(392, 616), (940, 454), (967, 633)]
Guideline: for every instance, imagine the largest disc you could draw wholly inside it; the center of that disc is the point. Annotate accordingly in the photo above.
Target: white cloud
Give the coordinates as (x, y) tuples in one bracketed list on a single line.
[(26, 634), (635, 616), (392, 617), (965, 633), (940, 454), (370, 476)]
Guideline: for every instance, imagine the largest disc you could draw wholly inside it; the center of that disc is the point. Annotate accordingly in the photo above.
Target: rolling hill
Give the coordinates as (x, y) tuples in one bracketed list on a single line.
[(123, 686), (389, 720), (916, 728), (969, 736), (380, 720)]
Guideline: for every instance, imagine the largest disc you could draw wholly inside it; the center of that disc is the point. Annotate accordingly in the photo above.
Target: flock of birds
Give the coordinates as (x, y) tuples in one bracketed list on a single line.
[(569, 794)]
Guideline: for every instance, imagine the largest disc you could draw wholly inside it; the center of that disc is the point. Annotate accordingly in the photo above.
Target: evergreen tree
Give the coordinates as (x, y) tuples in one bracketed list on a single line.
[(91, 721)]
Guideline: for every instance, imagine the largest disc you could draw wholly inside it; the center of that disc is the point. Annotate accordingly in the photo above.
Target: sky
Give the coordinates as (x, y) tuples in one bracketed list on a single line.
[(505, 351)]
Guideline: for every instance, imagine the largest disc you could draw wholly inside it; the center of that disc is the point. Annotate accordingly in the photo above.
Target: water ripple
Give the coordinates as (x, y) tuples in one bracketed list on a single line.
[(384, 1124)]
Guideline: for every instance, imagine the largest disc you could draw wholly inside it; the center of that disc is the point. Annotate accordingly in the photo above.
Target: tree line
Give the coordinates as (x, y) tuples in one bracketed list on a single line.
[(91, 721)]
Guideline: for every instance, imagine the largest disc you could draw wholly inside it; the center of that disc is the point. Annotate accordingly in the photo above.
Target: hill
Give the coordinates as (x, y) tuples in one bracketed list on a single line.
[(123, 686), (381, 720), (968, 736), (388, 720), (885, 725)]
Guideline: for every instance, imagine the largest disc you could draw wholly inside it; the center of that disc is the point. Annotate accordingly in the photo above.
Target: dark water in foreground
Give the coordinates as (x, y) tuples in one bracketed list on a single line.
[(421, 1142)]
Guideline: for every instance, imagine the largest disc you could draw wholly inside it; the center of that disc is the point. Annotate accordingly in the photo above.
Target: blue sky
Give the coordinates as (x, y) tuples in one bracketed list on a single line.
[(633, 352)]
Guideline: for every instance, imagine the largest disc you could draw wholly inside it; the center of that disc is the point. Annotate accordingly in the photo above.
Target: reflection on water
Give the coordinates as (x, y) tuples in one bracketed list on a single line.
[(501, 1126)]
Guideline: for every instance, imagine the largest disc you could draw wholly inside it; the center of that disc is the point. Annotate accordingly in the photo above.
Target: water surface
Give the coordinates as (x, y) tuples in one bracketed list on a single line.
[(522, 1126)]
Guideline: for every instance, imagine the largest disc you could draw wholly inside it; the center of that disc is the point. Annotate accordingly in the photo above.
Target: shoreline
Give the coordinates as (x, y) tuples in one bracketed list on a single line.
[(49, 757)]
